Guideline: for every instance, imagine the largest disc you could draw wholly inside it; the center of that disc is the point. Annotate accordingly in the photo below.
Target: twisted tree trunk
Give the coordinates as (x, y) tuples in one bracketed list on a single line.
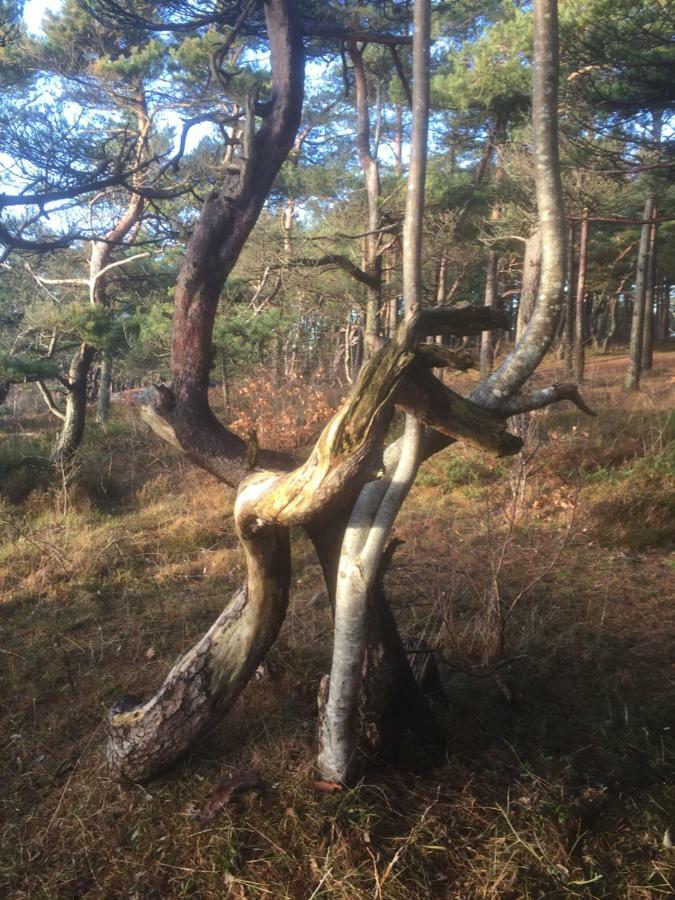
[(72, 431), (339, 490)]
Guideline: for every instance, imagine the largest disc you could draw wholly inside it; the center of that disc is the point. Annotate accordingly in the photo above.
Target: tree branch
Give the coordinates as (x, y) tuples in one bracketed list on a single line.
[(338, 260), (463, 322), (329, 30), (49, 400), (545, 397)]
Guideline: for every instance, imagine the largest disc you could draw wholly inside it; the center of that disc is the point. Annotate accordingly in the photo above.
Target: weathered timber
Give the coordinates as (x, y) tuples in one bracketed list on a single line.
[(434, 404), (202, 686)]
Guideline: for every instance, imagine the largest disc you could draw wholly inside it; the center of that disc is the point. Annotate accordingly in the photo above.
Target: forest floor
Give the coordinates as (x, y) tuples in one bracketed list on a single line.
[(560, 775)]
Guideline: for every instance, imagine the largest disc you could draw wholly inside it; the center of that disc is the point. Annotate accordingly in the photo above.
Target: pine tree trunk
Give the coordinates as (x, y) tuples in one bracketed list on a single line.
[(580, 312), (568, 335), (104, 388), (650, 291), (530, 281), (72, 430), (632, 382), (491, 299), (372, 258)]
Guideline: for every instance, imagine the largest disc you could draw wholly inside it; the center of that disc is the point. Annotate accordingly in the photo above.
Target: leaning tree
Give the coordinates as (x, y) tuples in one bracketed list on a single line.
[(347, 493)]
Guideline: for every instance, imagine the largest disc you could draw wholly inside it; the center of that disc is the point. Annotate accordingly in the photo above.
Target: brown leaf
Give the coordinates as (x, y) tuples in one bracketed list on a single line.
[(327, 787), (239, 782)]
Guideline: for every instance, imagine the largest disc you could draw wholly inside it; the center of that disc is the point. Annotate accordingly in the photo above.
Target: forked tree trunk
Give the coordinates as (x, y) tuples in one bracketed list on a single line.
[(73, 427), (338, 482)]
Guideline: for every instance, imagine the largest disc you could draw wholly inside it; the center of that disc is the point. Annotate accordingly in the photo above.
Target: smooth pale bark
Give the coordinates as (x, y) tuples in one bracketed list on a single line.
[(632, 382), (580, 310), (374, 512), (364, 542), (514, 371)]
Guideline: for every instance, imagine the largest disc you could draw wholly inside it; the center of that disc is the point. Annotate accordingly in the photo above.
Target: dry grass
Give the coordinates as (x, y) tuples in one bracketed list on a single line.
[(559, 781)]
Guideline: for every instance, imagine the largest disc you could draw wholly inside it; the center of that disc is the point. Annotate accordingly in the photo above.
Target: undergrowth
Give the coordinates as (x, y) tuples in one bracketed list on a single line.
[(559, 775)]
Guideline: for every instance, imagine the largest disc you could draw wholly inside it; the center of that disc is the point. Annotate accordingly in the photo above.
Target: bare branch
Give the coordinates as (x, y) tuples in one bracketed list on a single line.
[(329, 30), (340, 262), (545, 397), (49, 400), (463, 322)]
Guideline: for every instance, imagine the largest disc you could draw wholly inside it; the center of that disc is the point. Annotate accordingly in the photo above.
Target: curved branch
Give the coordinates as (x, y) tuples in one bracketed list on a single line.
[(522, 403), (49, 400), (223, 227), (514, 371), (429, 400), (338, 260)]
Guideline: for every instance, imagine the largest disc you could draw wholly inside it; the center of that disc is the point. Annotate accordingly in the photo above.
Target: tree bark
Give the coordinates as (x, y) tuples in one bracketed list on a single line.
[(376, 509), (371, 176), (632, 382), (580, 311), (568, 334), (650, 292), (337, 485), (530, 282), (72, 430), (104, 388), (514, 371)]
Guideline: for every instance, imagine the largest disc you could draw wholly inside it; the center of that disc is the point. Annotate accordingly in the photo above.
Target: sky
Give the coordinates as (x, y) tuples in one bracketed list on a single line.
[(34, 10)]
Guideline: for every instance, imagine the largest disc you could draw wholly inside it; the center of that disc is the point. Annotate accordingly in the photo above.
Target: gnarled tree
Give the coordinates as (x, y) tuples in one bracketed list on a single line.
[(347, 492)]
